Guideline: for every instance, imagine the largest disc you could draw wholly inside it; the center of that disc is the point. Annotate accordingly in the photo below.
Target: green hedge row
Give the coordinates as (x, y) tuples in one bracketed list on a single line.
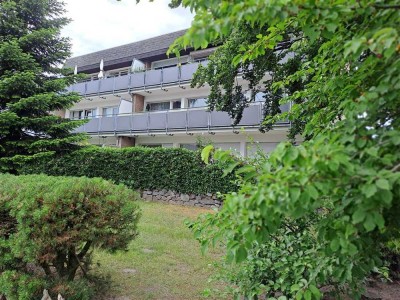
[(174, 169)]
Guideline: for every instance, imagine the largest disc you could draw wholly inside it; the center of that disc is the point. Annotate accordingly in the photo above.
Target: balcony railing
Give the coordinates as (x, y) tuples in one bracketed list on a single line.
[(168, 122), (137, 81)]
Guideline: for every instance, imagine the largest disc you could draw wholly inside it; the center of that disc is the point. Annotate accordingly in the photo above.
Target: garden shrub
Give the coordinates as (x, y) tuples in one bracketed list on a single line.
[(50, 225), (281, 266), (175, 169)]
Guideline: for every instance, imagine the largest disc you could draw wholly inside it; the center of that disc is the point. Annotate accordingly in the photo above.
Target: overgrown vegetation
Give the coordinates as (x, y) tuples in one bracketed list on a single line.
[(49, 227), (341, 188), (32, 84), (179, 170)]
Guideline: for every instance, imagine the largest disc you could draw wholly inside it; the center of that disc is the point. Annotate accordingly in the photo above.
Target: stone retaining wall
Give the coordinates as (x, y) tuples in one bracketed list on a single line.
[(209, 200)]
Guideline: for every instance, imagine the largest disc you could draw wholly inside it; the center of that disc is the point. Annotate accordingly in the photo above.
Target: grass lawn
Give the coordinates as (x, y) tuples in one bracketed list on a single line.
[(164, 262)]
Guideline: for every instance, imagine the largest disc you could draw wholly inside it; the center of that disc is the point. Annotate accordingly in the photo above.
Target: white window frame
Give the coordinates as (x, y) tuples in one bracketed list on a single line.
[(83, 114), (170, 62), (110, 107), (195, 98), (117, 72)]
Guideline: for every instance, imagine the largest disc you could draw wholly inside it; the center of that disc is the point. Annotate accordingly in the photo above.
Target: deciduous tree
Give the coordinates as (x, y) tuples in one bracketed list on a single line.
[(347, 105)]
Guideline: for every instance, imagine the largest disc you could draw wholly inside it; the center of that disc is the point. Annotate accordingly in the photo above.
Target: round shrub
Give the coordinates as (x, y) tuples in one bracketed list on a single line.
[(50, 225)]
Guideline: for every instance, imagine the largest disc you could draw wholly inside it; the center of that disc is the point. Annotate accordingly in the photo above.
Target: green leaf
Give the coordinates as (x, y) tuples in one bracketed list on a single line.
[(335, 244), (230, 168), (315, 291), (294, 193), (354, 46), (311, 32), (312, 191), (290, 155), (294, 288), (369, 190), (379, 220), (241, 254), (358, 216), (205, 154), (383, 184), (307, 295), (245, 169), (331, 27), (369, 223)]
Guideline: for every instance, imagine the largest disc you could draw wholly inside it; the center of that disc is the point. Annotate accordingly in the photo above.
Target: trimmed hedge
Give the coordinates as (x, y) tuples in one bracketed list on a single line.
[(49, 227), (175, 169)]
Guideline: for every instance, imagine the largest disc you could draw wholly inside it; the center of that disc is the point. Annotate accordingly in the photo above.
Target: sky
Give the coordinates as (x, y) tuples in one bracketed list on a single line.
[(102, 24)]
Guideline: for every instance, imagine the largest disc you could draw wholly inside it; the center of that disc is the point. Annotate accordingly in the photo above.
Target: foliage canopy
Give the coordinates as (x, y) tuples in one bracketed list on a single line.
[(343, 79)]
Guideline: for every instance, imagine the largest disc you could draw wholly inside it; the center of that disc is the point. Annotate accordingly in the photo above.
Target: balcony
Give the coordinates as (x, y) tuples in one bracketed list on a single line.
[(149, 79), (173, 121)]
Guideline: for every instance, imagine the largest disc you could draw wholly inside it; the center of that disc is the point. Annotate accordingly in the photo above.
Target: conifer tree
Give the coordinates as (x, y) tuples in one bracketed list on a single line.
[(33, 83)]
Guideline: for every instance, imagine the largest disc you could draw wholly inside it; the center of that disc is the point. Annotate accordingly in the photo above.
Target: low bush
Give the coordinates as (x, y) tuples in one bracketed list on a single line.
[(50, 225), (176, 169)]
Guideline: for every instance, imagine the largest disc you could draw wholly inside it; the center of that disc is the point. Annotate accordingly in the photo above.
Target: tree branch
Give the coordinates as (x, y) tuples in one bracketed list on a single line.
[(395, 168), (80, 264), (394, 6), (84, 250)]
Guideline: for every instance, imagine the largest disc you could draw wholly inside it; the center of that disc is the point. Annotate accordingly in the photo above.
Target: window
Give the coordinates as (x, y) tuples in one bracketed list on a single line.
[(89, 113), (235, 147), (110, 111), (118, 73), (197, 102), (76, 114), (265, 147), (124, 72), (176, 104), (157, 106), (83, 114), (192, 147), (162, 106), (89, 77), (259, 97), (171, 62), (151, 145)]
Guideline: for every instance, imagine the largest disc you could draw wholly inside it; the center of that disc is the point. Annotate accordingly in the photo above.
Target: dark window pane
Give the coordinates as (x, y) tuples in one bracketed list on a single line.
[(176, 104)]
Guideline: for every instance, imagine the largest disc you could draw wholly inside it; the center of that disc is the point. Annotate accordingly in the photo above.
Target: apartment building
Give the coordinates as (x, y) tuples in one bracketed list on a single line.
[(135, 95)]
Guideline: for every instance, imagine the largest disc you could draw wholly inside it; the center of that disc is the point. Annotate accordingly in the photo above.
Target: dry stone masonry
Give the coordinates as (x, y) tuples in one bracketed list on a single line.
[(209, 200)]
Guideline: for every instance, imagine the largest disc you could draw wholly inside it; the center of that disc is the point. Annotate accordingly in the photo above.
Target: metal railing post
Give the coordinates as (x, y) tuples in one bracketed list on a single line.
[(148, 123), (131, 123), (186, 121), (114, 85), (144, 80), (209, 124), (99, 126), (166, 122), (98, 87), (129, 83)]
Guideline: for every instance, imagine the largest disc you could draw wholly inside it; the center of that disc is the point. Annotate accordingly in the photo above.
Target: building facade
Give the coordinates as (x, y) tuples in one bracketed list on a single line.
[(135, 95)]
